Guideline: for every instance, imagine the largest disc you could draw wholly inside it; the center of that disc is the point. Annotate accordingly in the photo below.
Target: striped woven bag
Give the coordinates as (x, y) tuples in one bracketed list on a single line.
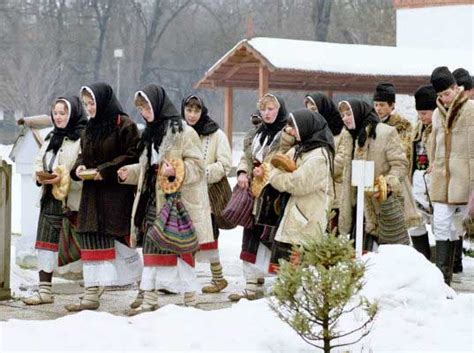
[(239, 209), (173, 229), (392, 226)]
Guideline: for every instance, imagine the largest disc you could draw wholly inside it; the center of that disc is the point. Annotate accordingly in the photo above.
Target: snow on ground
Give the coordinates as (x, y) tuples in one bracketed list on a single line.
[(415, 315)]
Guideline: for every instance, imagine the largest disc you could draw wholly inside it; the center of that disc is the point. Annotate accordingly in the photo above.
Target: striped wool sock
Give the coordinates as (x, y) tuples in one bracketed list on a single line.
[(216, 270), (190, 299)]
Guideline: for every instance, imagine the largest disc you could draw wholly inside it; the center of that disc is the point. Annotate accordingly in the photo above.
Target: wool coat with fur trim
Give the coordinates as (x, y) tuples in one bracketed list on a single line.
[(452, 151), (389, 160), (307, 210), (66, 156), (186, 146), (217, 156), (405, 131)]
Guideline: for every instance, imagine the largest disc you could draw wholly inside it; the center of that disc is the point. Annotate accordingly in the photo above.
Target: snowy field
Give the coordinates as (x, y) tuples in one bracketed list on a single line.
[(415, 315)]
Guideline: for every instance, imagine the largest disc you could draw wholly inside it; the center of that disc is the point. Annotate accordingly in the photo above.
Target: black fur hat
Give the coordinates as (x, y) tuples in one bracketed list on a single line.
[(463, 78), (425, 98), (442, 79), (385, 92)]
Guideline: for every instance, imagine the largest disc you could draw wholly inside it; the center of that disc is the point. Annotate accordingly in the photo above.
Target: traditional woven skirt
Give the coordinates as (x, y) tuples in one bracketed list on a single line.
[(279, 251), (164, 269), (49, 222)]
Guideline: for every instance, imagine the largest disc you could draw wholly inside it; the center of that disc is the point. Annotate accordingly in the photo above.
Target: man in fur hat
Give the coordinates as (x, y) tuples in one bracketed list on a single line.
[(425, 102), (384, 105), (464, 79), (451, 165)]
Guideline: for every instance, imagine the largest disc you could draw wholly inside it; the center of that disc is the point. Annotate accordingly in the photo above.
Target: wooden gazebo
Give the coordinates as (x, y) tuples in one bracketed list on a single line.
[(283, 64)]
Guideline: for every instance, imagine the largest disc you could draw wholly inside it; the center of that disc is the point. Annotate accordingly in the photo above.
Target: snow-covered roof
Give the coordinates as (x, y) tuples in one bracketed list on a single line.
[(357, 59), (328, 65)]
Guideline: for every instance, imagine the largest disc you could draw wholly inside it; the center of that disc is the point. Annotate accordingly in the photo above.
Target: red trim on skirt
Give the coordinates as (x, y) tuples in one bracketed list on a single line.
[(98, 255), (166, 260), (46, 246), (273, 268), (248, 257), (209, 246)]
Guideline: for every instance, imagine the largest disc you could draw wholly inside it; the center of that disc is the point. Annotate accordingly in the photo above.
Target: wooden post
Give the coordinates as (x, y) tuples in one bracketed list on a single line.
[(263, 75), (228, 112), (5, 228)]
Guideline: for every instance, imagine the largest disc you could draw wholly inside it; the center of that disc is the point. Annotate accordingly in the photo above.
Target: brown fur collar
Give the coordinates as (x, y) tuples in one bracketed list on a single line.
[(449, 116), (420, 133), (398, 122)]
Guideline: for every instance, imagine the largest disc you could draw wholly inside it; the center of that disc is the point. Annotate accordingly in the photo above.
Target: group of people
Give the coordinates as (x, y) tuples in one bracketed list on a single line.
[(115, 195)]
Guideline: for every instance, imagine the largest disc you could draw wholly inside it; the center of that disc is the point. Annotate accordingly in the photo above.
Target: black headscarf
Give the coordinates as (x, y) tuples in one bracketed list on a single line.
[(164, 114), (108, 109), (205, 125), (314, 133), (364, 115), (76, 123), (313, 130), (328, 109), (270, 130)]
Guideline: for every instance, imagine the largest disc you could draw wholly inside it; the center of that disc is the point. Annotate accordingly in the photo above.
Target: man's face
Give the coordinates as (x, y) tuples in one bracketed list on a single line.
[(447, 96), (383, 109), (425, 116)]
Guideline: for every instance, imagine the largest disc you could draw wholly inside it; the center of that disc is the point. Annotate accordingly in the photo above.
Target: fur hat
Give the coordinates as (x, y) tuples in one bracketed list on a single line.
[(425, 98), (442, 79), (463, 78), (385, 92)]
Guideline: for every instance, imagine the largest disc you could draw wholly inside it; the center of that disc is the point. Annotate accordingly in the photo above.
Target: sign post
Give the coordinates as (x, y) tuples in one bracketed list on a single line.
[(362, 177)]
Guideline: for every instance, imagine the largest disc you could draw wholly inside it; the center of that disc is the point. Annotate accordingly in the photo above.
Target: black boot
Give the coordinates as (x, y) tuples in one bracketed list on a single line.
[(457, 267), (445, 259), (422, 245)]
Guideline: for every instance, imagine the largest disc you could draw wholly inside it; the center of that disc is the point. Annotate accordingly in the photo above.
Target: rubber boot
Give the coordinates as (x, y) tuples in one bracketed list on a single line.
[(457, 267), (422, 245), (445, 259)]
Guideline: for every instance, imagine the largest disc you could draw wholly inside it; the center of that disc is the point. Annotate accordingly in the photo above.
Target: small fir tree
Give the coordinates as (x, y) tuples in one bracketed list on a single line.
[(312, 294)]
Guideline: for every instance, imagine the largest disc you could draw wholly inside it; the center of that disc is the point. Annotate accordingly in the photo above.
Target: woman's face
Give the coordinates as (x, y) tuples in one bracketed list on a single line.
[(293, 132), (269, 112), (89, 105), (311, 106), (60, 115), (348, 119), (192, 114), (146, 111)]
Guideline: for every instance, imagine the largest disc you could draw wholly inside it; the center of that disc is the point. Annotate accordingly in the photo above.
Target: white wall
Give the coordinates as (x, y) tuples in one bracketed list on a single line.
[(440, 27)]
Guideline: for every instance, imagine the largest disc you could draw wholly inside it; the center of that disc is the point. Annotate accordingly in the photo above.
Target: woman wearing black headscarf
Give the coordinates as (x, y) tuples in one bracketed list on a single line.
[(218, 158), (57, 156), (166, 137), (367, 139), (108, 143), (310, 186), (254, 164), (318, 102)]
